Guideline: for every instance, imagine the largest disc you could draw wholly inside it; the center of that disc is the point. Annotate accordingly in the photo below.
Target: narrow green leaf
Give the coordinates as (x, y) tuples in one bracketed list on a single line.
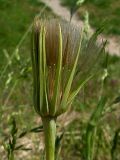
[(98, 111), (92, 128), (58, 76), (23, 134), (90, 142), (19, 147), (75, 92)]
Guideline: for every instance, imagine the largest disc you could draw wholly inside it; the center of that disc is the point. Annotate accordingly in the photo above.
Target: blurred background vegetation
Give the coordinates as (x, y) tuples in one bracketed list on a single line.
[(16, 81), (101, 11)]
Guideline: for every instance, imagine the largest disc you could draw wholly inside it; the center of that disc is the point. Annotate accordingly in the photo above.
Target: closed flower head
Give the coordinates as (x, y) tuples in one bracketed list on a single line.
[(55, 55)]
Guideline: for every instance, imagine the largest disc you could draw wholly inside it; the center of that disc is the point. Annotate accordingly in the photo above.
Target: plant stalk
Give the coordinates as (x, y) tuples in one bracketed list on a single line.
[(11, 156), (49, 125)]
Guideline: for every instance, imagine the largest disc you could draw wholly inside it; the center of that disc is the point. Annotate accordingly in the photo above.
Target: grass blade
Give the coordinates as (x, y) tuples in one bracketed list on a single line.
[(92, 128), (74, 93)]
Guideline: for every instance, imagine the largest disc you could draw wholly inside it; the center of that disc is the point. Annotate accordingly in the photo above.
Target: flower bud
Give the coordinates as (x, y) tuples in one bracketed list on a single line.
[(55, 61)]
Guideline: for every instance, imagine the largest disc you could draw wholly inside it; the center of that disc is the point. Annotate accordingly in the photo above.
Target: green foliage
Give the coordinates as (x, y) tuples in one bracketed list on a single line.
[(16, 18), (92, 129), (107, 11), (11, 146), (12, 143), (104, 11)]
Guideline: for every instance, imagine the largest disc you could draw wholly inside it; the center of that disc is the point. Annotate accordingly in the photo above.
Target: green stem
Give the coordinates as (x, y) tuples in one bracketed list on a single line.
[(11, 156), (49, 125)]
